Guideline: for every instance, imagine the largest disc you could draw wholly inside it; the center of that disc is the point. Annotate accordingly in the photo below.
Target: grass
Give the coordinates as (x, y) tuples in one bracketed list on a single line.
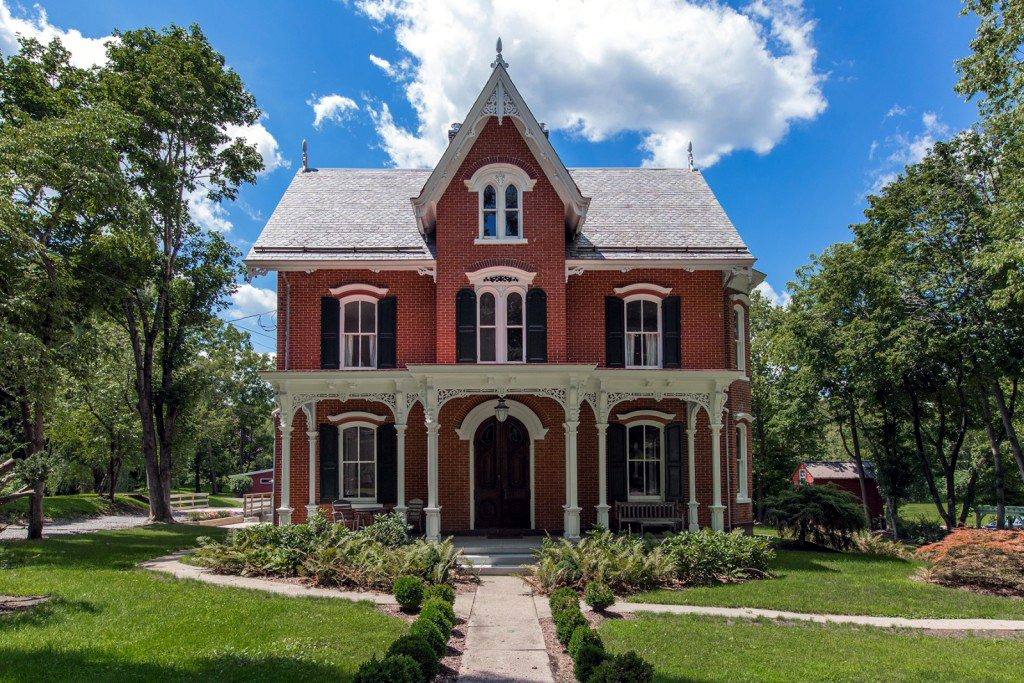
[(847, 584), (78, 506), (110, 621), (707, 649)]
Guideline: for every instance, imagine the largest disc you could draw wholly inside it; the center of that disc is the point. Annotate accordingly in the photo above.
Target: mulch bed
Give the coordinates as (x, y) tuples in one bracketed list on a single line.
[(14, 603), (558, 658)]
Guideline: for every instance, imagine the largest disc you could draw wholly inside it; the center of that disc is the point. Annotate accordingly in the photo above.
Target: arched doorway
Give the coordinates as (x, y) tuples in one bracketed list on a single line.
[(501, 475)]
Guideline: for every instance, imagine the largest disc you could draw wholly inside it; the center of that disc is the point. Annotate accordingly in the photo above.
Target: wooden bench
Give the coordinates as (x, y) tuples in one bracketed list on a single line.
[(649, 514), (189, 501), (980, 511)]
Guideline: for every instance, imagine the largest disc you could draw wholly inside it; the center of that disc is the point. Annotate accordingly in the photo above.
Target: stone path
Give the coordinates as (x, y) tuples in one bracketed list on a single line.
[(751, 613), (503, 639), (16, 532)]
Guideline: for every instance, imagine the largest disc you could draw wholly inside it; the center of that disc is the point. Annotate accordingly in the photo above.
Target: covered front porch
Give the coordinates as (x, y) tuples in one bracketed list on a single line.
[(509, 449)]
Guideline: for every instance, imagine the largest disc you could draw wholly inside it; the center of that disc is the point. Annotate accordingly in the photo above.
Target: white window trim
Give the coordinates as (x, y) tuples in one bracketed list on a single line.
[(660, 498), (742, 465), (801, 475), (740, 343), (500, 324), (625, 331), (341, 330), (341, 461), (501, 176)]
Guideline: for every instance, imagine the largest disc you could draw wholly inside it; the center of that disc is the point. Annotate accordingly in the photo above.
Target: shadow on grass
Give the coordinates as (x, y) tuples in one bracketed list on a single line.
[(53, 610), (803, 560), (98, 665), (121, 549)]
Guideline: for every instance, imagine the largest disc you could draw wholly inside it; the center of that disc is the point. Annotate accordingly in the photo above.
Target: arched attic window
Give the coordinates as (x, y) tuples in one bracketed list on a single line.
[(501, 189)]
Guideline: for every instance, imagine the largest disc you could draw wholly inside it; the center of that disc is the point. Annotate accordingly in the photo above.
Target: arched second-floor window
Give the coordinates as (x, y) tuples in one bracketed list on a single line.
[(502, 337), (643, 331), (359, 332), (501, 188), (739, 336)]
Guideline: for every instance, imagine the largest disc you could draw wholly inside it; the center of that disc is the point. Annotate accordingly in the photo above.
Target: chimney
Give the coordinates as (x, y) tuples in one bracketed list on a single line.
[(453, 131), (544, 128)]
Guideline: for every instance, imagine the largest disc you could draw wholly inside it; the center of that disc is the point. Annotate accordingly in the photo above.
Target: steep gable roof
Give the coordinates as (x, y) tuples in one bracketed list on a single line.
[(501, 99), (836, 469)]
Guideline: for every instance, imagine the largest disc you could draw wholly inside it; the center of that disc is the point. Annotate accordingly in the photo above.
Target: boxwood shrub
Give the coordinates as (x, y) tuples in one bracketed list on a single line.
[(567, 622), (625, 668), (587, 659), (391, 669), (562, 599), (442, 591), (420, 650), (438, 618), (583, 635), (599, 596), (408, 591), (429, 631)]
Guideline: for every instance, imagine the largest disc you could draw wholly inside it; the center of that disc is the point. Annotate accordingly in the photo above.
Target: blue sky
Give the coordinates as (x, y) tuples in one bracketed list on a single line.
[(796, 110)]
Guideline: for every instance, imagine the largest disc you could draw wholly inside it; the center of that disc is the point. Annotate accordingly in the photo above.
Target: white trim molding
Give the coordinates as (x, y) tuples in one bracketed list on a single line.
[(358, 289), (636, 415), (371, 419), (743, 417), (500, 276), (643, 288)]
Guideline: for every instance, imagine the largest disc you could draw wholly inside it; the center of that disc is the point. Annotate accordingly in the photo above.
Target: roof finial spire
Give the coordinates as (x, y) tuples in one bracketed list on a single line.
[(689, 153), (305, 156), (498, 60)]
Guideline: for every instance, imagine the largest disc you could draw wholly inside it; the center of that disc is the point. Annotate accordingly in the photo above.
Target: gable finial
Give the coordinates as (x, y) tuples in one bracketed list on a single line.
[(305, 156), (499, 60), (689, 152)]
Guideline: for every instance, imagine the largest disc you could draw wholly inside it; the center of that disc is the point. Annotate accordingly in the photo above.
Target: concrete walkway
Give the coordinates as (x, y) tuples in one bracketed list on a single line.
[(751, 613), (169, 564), (503, 640)]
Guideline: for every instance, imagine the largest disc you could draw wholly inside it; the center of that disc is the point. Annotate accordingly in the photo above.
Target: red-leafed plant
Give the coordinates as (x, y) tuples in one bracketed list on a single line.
[(988, 561)]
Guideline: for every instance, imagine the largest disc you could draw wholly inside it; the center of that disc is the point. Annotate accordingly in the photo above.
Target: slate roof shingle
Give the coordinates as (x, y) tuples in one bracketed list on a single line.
[(827, 469), (366, 214)]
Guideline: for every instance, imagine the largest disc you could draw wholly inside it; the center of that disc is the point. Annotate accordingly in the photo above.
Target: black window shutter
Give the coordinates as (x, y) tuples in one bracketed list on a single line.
[(387, 464), (671, 333), (616, 453), (536, 326), (330, 328), (387, 319), (674, 462), (328, 463), (465, 326), (614, 332)]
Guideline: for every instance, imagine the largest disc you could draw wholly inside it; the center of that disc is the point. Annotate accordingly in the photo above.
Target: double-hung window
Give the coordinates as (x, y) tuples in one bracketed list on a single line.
[(501, 189), (501, 331), (359, 463), (739, 337), (643, 332), (742, 465), (644, 462), (359, 333)]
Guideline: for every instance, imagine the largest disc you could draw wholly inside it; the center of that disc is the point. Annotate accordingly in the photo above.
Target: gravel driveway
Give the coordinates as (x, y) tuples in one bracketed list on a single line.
[(16, 532)]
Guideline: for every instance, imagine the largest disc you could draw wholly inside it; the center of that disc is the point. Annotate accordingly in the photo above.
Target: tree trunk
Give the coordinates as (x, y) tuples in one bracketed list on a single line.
[(922, 457), (1007, 417), (995, 447), (892, 517), (860, 466)]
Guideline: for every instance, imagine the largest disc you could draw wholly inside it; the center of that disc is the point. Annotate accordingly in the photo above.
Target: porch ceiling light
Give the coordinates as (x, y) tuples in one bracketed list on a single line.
[(501, 410)]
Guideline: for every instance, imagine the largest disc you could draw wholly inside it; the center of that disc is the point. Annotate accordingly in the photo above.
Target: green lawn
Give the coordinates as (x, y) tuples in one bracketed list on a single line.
[(846, 584), (109, 621), (692, 648), (79, 506)]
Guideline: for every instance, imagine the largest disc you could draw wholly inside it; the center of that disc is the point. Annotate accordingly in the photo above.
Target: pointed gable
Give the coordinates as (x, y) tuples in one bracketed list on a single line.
[(500, 99)]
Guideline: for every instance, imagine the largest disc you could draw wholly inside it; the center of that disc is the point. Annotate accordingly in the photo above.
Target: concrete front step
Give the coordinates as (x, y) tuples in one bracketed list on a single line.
[(499, 556)]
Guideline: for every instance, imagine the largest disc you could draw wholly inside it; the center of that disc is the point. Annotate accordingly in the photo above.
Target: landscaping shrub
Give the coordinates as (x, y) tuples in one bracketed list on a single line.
[(587, 659), (239, 486), (328, 554), (821, 514), (920, 530), (432, 613), (562, 599), (442, 591), (705, 557), (442, 606), (625, 562), (987, 561), (429, 631), (408, 591), (873, 544), (391, 669), (626, 668), (390, 530), (599, 596), (566, 622), (583, 635), (421, 652)]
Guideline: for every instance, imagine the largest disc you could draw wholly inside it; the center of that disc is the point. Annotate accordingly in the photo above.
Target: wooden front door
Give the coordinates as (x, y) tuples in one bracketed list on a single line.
[(501, 473)]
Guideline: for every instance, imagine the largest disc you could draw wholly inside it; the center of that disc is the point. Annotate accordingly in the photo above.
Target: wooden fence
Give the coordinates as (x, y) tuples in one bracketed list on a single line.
[(257, 504), (189, 501)]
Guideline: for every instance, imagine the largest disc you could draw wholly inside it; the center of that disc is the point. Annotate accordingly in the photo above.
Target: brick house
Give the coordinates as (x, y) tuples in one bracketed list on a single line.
[(516, 344), (844, 475)]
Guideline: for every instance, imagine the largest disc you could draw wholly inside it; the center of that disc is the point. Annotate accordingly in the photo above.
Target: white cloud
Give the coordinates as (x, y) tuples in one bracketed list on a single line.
[(671, 70), (383, 64), (85, 52), (207, 213), (258, 135), (776, 298), (251, 300), (331, 108), (895, 110), (902, 148)]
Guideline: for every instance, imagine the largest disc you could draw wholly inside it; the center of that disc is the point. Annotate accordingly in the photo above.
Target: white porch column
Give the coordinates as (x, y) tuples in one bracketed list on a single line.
[(433, 510), (311, 506), (602, 474), (284, 513), (572, 509), (717, 509), (691, 435), (400, 447)]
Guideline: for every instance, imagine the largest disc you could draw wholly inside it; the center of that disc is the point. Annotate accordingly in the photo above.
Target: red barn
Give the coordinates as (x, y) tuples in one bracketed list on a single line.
[(844, 475), (262, 480), (516, 344)]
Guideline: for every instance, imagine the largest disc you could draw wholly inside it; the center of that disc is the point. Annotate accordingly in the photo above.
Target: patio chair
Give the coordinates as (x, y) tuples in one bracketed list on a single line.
[(414, 513), (344, 514)]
